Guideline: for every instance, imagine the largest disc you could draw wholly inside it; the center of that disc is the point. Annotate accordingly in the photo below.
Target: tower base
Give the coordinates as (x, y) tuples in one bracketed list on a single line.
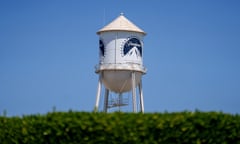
[(120, 101)]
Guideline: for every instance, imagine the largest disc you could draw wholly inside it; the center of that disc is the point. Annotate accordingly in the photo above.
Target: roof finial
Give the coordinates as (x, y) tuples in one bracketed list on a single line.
[(121, 13)]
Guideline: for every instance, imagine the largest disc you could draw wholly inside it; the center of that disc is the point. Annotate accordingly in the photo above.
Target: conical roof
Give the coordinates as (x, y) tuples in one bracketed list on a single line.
[(121, 23)]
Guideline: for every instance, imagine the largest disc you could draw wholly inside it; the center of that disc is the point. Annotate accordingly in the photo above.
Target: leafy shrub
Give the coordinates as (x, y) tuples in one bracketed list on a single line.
[(82, 127)]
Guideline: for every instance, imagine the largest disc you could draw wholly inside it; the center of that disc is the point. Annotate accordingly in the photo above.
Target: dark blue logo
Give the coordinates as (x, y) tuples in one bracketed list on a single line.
[(132, 46), (101, 47)]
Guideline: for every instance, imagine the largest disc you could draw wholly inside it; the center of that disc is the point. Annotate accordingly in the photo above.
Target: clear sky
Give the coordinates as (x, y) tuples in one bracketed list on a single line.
[(48, 50)]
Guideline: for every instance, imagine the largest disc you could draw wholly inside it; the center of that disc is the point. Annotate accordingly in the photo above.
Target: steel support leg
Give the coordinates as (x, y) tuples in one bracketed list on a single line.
[(106, 100), (98, 94), (141, 97), (134, 92)]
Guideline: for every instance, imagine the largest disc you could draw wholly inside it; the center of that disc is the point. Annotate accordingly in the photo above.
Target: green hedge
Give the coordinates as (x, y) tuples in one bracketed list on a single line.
[(82, 127)]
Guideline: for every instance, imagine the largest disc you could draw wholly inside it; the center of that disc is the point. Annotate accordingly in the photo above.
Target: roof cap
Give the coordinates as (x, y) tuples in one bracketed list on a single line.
[(121, 23)]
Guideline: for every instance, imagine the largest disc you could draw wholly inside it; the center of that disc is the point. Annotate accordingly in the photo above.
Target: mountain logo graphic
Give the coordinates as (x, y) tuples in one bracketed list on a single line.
[(132, 47)]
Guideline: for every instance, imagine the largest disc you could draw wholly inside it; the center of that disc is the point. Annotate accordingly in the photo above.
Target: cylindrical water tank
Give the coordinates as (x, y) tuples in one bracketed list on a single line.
[(120, 54)]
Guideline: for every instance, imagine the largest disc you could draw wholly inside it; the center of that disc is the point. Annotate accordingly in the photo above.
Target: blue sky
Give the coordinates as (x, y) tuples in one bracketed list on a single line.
[(48, 50)]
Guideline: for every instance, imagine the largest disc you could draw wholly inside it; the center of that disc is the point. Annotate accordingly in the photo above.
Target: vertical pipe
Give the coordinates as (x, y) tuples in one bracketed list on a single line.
[(134, 92), (142, 50), (141, 96), (106, 100), (98, 94), (115, 50)]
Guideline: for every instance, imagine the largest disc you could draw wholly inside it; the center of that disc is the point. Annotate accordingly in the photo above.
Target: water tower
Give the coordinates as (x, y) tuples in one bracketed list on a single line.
[(120, 65)]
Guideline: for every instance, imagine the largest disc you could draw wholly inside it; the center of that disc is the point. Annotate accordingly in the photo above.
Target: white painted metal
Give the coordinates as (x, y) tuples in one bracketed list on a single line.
[(121, 60), (114, 42), (119, 81), (134, 101), (116, 68), (141, 97), (98, 94)]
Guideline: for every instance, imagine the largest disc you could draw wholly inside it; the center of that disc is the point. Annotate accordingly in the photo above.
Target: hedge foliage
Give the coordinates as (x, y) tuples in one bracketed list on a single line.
[(96, 128)]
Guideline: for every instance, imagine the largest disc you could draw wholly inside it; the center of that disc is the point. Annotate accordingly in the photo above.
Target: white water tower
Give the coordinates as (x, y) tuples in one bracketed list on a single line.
[(120, 65)]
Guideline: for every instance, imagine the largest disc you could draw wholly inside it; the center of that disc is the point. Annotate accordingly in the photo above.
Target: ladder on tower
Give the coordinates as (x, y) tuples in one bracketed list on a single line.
[(118, 101)]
